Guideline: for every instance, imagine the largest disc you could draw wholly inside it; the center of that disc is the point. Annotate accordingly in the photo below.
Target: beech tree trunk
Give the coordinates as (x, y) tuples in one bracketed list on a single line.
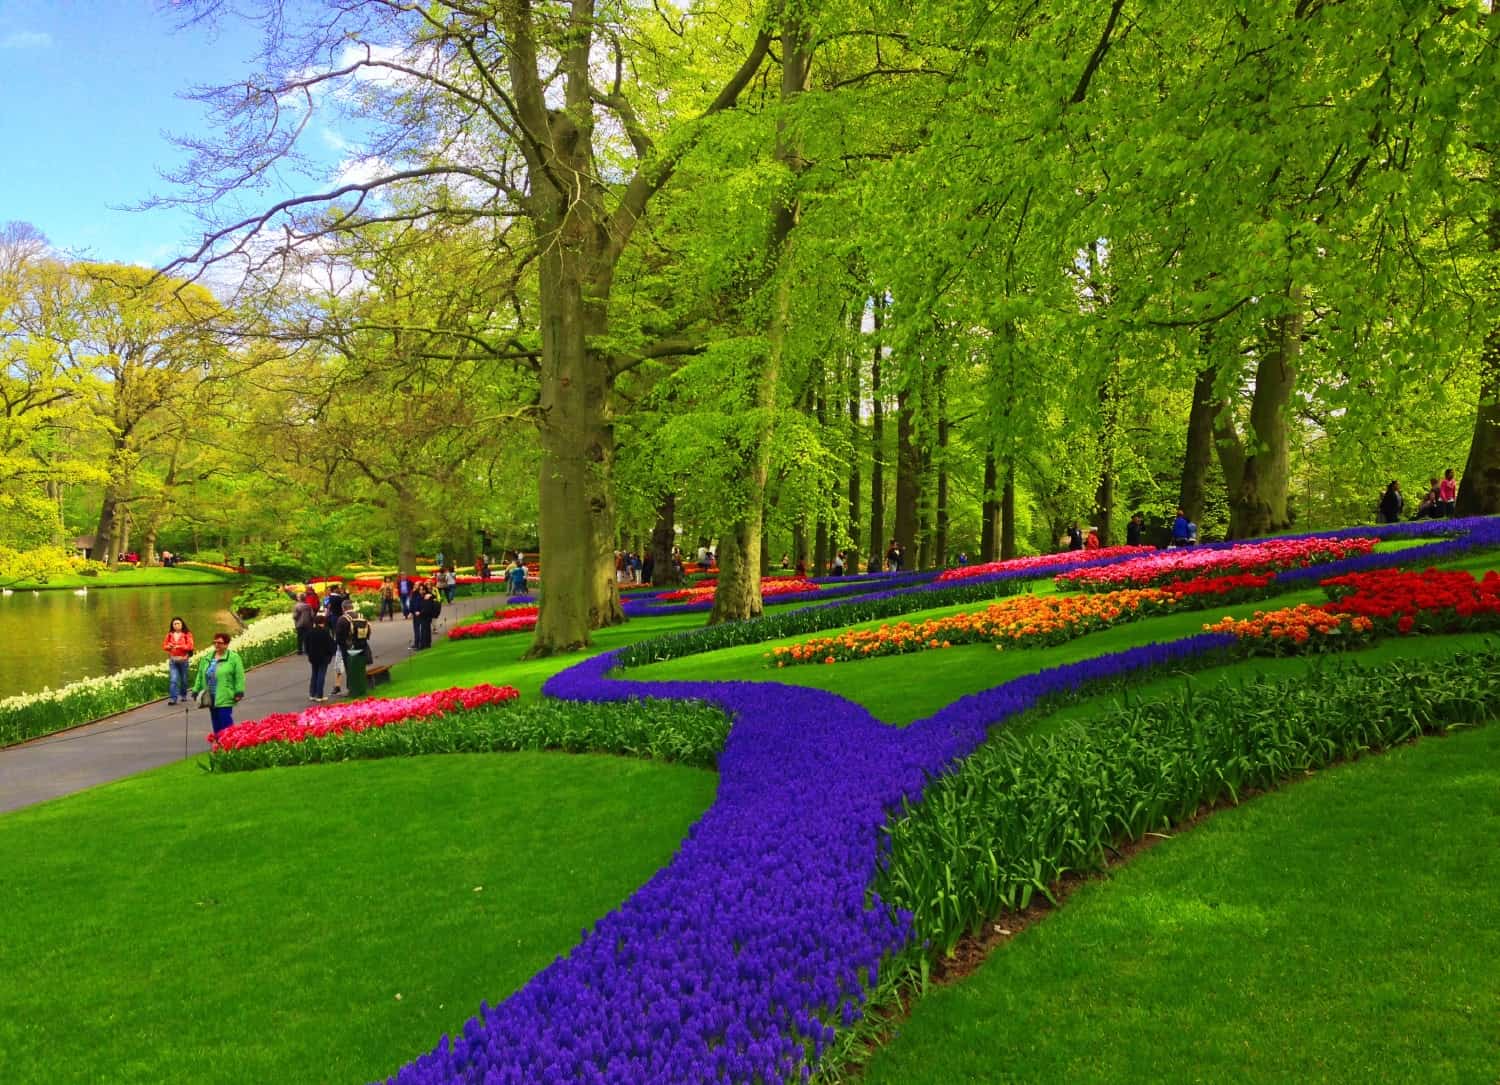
[(1479, 489), (877, 451), (1104, 494), (940, 505), (1196, 460), (1258, 504), (988, 510), (1008, 514), (406, 540), (104, 534), (908, 476), (854, 478), (740, 548), (663, 538), (576, 526)]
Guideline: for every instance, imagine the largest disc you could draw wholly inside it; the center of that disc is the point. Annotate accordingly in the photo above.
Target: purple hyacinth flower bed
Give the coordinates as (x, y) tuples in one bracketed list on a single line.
[(740, 959)]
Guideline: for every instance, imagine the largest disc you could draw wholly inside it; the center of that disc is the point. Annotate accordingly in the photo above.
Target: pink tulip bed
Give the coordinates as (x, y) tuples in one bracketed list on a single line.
[(353, 717)]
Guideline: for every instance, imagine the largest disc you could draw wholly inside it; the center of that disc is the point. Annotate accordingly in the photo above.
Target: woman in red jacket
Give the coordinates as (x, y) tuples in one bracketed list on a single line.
[(178, 644)]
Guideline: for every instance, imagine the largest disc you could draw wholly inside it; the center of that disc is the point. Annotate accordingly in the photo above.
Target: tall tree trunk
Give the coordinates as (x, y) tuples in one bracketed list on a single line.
[(148, 547), (988, 510), (820, 532), (406, 539), (738, 594), (1104, 494), (104, 534), (1258, 505), (576, 525), (908, 473), (663, 539), (1192, 497), (877, 449), (854, 479), (1479, 490), (1008, 513)]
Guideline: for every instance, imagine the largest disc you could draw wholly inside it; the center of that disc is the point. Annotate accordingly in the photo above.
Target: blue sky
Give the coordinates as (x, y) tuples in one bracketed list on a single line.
[(88, 89)]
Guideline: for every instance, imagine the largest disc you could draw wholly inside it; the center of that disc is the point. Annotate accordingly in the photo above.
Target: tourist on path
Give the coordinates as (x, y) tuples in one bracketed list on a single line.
[(425, 611), (302, 621), (1180, 528), (516, 579), (403, 585), (321, 649), (1135, 530), (450, 583), (387, 599), (1391, 503), (334, 604), (1075, 537), (223, 675), (1448, 494), (178, 644)]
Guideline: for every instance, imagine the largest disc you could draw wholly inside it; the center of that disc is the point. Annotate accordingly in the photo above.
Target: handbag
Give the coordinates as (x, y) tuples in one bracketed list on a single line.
[(205, 698)]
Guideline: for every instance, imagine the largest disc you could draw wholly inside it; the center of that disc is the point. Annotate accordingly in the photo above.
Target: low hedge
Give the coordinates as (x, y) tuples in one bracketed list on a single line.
[(683, 731), (1021, 812)]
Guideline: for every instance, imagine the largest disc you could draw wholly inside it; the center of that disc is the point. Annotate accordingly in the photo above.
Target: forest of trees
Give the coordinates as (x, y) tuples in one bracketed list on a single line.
[(794, 276)]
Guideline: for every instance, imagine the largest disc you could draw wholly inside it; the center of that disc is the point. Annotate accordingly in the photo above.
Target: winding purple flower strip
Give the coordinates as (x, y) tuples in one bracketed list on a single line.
[(737, 960)]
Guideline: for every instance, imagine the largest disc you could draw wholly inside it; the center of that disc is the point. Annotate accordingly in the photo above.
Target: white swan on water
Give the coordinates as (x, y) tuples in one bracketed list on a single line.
[(6, 591), (80, 591)]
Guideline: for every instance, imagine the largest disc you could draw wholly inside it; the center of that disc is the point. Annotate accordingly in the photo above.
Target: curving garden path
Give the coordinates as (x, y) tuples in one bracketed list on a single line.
[(155, 734)]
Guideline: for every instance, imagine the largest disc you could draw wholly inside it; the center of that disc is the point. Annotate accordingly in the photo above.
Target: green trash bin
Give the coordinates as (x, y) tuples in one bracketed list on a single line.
[(358, 685)]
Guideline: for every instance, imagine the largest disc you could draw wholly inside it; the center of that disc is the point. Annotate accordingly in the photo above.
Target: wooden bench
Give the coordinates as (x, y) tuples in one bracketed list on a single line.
[(376, 675)]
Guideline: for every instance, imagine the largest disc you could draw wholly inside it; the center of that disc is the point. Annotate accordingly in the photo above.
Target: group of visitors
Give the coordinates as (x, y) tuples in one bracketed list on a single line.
[(220, 684), (1439, 502), (1075, 539), (631, 568)]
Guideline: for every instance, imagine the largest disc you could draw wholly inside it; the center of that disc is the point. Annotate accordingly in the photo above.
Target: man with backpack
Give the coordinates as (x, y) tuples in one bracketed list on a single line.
[(353, 637)]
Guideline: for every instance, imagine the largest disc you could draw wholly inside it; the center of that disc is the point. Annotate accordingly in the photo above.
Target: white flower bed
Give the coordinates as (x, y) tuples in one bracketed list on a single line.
[(28, 715)]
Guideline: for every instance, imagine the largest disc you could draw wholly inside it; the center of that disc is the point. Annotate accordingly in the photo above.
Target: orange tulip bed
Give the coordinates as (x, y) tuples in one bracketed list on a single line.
[(1020, 621)]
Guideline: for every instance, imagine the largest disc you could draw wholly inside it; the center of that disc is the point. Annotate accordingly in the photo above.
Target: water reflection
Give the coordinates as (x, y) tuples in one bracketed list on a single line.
[(52, 638)]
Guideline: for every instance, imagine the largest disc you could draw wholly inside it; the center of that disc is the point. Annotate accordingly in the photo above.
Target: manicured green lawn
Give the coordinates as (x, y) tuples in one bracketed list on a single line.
[(1344, 929), (151, 577), (324, 923)]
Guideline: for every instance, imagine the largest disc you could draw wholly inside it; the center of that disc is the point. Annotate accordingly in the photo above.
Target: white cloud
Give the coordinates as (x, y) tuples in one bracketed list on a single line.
[(26, 39), (361, 170)]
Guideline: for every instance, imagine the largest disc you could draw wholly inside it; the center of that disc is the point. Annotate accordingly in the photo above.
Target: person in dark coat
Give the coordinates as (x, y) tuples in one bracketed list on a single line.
[(320, 649), (302, 621), (1391, 503), (428, 609), (1135, 530)]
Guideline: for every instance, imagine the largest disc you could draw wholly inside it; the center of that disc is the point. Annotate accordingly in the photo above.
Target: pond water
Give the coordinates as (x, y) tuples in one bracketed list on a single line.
[(51, 638)]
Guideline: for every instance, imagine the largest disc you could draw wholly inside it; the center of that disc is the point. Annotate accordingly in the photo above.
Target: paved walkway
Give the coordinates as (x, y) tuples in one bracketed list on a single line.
[(155, 734)]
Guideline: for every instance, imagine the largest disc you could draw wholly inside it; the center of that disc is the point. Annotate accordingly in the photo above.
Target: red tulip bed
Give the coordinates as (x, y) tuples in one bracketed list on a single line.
[(323, 721), (1367, 605), (506, 620), (1163, 566)]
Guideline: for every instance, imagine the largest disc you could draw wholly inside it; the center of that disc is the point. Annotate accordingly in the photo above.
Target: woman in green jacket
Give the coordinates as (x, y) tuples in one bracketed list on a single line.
[(223, 675)]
